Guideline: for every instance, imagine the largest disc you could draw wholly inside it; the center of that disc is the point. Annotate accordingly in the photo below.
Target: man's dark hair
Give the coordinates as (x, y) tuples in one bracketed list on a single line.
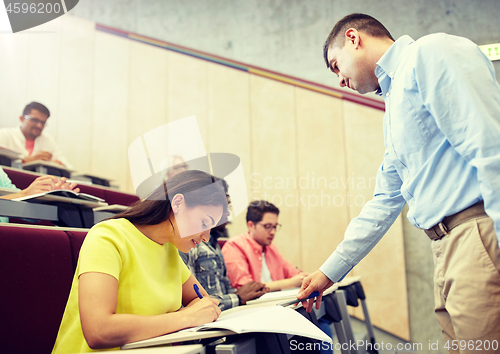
[(360, 22), (258, 208), (38, 106)]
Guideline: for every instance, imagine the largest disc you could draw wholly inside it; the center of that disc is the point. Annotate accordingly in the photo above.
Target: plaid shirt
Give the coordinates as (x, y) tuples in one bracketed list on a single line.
[(206, 263)]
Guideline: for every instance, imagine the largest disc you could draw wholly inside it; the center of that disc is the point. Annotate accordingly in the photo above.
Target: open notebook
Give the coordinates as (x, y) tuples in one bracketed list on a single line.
[(269, 319)]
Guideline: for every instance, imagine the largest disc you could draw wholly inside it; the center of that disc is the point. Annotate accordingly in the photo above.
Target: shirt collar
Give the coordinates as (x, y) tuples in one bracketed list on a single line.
[(388, 63), (255, 245)]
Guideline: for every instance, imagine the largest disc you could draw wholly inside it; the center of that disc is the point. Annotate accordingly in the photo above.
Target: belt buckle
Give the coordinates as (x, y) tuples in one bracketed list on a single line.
[(443, 229)]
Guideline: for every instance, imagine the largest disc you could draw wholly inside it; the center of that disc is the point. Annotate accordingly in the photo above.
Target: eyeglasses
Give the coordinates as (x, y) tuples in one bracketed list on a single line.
[(269, 227), (36, 121)]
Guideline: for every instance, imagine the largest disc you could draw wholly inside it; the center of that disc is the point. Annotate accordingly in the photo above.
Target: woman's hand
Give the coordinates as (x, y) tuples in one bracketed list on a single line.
[(202, 311)]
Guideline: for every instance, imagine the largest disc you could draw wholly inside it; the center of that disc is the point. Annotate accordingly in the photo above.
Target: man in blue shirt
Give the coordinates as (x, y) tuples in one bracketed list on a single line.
[(442, 157)]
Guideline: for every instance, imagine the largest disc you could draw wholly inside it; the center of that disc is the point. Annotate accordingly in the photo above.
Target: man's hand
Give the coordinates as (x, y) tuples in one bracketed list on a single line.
[(297, 279), (47, 183), (316, 281), (39, 155), (63, 184), (250, 291)]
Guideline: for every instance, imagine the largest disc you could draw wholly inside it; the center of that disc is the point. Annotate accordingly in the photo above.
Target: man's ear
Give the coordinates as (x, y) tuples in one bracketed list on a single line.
[(250, 224), (21, 118), (352, 37)]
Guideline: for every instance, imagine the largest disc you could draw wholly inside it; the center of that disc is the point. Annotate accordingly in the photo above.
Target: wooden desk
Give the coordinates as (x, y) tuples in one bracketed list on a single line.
[(92, 178), (28, 210), (181, 349), (48, 168)]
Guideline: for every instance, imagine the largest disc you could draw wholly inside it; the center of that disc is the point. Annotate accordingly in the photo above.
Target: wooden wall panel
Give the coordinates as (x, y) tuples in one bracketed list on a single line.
[(75, 91), (44, 69), (110, 108), (274, 158), (322, 168), (383, 270), (188, 90), (229, 122), (148, 92), (13, 85)]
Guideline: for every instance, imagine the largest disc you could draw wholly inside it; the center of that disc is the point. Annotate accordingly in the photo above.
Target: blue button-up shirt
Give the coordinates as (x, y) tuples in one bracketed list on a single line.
[(442, 139)]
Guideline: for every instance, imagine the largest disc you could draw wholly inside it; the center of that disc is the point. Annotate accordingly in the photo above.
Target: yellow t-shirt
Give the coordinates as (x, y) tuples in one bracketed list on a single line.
[(150, 277)]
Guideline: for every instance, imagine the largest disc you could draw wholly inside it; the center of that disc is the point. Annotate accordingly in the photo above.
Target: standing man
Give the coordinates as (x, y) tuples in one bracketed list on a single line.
[(206, 263), (29, 140), (442, 133), (252, 256)]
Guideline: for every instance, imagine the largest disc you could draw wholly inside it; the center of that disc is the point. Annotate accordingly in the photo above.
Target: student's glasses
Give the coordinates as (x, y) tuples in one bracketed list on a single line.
[(270, 227), (36, 121)]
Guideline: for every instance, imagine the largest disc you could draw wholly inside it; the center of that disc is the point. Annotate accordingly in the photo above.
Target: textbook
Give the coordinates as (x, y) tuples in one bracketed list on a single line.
[(67, 196), (269, 319)]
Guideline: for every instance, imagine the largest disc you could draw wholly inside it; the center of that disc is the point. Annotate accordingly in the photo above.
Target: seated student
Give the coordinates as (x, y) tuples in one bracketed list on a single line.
[(252, 256), (39, 185), (206, 263), (29, 139), (130, 282)]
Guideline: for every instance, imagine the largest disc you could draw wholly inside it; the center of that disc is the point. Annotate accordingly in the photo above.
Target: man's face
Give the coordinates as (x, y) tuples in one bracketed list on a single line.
[(258, 230), (33, 126), (351, 64)]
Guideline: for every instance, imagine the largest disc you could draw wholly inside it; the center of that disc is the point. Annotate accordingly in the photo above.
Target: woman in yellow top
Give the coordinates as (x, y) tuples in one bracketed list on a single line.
[(130, 282)]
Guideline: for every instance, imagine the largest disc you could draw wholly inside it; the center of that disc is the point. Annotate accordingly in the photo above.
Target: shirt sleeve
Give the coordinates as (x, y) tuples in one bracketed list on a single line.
[(364, 231), (5, 181), (238, 269), (228, 301), (100, 252), (458, 86)]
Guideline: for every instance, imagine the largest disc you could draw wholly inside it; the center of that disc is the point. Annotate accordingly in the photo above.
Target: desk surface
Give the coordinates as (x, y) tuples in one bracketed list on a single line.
[(38, 163), (178, 337), (181, 349)]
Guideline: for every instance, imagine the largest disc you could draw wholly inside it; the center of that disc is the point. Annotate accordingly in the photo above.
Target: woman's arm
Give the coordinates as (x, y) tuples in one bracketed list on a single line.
[(103, 328)]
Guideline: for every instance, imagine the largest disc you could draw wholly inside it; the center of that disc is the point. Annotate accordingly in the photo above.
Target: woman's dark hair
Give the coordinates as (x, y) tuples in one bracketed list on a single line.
[(258, 208), (197, 187)]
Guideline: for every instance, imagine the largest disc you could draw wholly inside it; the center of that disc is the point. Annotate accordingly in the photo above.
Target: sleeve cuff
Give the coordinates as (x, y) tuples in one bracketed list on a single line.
[(335, 268)]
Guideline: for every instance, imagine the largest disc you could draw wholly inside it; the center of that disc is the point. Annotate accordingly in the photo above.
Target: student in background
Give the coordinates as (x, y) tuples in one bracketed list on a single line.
[(206, 263), (252, 256), (130, 281), (39, 185), (29, 140)]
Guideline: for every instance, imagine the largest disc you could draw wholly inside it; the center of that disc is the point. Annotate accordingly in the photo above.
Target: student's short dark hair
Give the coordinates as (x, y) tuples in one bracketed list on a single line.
[(38, 106), (360, 22), (258, 208)]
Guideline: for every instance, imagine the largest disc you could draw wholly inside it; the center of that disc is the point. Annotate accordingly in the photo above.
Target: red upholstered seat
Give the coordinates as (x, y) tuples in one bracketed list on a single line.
[(36, 278), (76, 240)]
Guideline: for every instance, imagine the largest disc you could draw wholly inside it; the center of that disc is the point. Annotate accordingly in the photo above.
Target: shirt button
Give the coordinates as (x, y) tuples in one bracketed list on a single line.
[(388, 94), (391, 74), (406, 175), (410, 203), (391, 151)]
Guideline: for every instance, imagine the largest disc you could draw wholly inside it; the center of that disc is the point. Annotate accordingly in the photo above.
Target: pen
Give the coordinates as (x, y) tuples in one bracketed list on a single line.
[(197, 291), (294, 301)]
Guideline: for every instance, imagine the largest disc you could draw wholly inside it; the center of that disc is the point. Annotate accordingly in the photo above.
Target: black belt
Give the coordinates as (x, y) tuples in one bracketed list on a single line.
[(442, 229)]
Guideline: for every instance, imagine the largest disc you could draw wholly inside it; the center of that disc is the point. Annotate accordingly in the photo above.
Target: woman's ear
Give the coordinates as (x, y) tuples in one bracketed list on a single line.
[(177, 203)]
